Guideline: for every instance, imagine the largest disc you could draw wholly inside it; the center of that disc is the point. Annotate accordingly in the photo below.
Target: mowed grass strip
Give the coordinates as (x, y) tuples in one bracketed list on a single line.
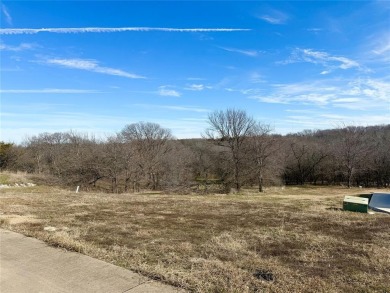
[(286, 240)]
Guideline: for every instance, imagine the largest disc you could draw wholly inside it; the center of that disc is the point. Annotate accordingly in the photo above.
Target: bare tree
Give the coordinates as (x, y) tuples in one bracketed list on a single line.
[(150, 143), (243, 151), (262, 146), (35, 153), (203, 161), (305, 157), (231, 128), (113, 160), (381, 157), (352, 149)]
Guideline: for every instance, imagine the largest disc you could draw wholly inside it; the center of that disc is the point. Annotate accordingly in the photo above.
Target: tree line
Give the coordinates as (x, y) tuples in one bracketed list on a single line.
[(234, 151)]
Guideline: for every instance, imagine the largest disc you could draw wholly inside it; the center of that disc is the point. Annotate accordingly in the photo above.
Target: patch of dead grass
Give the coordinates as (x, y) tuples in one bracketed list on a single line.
[(12, 219), (218, 243), (10, 178)]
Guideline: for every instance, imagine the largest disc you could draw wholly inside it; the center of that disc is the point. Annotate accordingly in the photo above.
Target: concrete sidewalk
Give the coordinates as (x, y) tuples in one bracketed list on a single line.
[(29, 265)]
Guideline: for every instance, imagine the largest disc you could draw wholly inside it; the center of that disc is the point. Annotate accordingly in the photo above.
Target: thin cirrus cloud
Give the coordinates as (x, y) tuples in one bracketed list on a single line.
[(90, 65), (165, 91), (384, 49), (274, 17), (18, 31), (256, 77), (7, 15), (175, 108), (330, 120), (314, 29), (48, 91), (99, 125), (325, 59), (189, 109), (197, 87), (250, 53), (316, 56), (360, 94), (381, 47), (195, 78), (21, 47)]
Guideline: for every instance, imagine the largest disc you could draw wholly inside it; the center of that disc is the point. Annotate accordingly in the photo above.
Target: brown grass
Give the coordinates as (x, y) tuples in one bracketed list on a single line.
[(287, 240), (11, 177)]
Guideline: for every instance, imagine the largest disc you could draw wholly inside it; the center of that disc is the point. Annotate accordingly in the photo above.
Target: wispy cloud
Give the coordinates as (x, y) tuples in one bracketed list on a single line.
[(250, 53), (175, 108), (275, 17), (328, 120), (314, 29), (325, 59), (168, 92), (10, 69), (359, 94), (381, 47), (384, 49), (18, 31), (48, 91), (189, 109), (317, 56), (21, 47), (7, 15), (247, 92), (256, 77), (90, 65), (18, 125), (356, 120), (197, 87), (195, 78)]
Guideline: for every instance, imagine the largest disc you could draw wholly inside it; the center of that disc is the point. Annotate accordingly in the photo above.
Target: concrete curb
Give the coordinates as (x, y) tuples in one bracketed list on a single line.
[(29, 265)]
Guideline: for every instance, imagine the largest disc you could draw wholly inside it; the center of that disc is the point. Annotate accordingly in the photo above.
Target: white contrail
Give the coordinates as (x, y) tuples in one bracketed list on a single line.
[(50, 91), (19, 31)]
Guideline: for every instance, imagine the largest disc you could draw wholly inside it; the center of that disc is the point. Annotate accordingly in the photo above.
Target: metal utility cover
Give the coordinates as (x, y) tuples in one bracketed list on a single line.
[(355, 204), (380, 202)]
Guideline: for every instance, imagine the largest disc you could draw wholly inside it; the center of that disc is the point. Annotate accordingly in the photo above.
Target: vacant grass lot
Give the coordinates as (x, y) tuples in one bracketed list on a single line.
[(286, 240)]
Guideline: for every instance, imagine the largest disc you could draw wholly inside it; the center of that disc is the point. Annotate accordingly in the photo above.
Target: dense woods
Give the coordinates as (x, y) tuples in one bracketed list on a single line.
[(235, 151)]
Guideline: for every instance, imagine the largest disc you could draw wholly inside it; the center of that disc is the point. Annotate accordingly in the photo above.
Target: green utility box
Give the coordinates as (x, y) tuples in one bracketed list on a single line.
[(355, 204)]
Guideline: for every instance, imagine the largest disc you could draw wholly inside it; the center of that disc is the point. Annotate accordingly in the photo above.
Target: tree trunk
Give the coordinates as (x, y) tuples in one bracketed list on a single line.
[(127, 184), (114, 187), (349, 177), (236, 175), (261, 182)]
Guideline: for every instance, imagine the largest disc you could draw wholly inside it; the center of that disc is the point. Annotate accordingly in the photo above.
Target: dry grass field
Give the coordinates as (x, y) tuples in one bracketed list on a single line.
[(286, 240)]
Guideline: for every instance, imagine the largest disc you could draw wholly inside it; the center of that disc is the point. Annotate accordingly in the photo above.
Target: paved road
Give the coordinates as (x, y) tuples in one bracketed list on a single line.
[(29, 265)]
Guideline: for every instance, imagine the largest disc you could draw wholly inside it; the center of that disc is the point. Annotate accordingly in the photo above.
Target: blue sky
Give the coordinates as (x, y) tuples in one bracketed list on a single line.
[(96, 66)]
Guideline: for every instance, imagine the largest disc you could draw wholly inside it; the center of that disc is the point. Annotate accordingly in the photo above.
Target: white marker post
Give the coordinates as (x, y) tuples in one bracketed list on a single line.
[(77, 189)]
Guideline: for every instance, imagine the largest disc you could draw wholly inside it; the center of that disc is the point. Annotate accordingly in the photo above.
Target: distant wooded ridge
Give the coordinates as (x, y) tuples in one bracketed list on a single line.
[(235, 151)]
